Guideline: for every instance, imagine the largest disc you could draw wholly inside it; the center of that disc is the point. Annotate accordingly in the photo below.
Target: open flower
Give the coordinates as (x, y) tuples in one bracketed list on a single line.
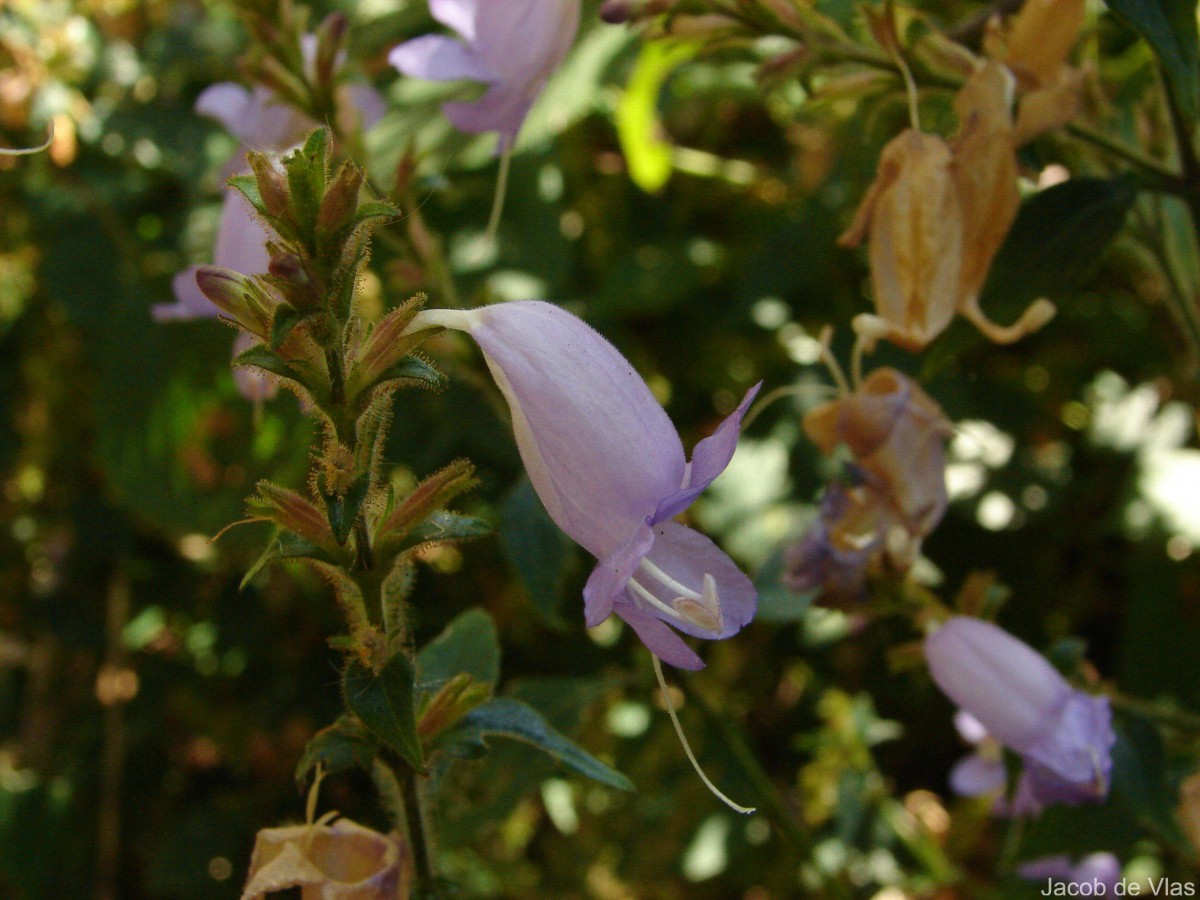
[(513, 46), (342, 861), (1064, 736), (610, 469)]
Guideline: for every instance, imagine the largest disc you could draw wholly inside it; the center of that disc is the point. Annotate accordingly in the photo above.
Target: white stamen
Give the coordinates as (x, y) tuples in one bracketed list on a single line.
[(654, 601), (700, 609), (666, 580), (666, 695)]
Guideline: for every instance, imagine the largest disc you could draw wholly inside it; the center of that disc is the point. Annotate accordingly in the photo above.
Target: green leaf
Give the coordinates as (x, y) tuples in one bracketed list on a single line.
[(285, 545), (505, 717), (345, 744), (410, 371), (247, 185), (370, 214), (1169, 27), (638, 127), (343, 509), (384, 703), (306, 180), (285, 319), (537, 548), (442, 527), (1057, 238), (468, 644)]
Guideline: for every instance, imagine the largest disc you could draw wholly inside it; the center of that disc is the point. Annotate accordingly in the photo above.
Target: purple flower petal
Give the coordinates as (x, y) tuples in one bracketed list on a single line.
[(608, 579), (686, 557), (189, 303), (435, 57), (228, 103), (517, 43), (660, 639), (709, 459), (368, 102), (599, 449), (241, 238), (1003, 682), (456, 14), (977, 776)]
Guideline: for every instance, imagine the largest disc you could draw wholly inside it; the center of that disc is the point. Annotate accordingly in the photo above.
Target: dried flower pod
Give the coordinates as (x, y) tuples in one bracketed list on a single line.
[(342, 861), (913, 218)]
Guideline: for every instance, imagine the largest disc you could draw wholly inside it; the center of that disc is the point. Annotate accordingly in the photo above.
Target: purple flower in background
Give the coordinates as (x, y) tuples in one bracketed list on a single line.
[(262, 121), (982, 773), (1100, 872), (1064, 736), (610, 469), (242, 247), (513, 46)]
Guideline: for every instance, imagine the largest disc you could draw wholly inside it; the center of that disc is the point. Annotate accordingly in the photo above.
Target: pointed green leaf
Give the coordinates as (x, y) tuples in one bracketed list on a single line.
[(1057, 239), (286, 318), (343, 510), (247, 185), (384, 703), (441, 527), (467, 645), (345, 744), (1169, 27), (537, 548), (285, 545), (306, 180), (638, 126), (505, 717)]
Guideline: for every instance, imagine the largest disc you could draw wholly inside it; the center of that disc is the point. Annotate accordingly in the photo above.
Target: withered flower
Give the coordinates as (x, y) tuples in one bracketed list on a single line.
[(896, 434), (1035, 48), (913, 217), (936, 215), (342, 861)]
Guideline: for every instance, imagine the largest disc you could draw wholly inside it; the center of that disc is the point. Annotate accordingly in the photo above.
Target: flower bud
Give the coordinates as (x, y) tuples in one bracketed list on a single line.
[(237, 297), (1064, 735), (615, 12)]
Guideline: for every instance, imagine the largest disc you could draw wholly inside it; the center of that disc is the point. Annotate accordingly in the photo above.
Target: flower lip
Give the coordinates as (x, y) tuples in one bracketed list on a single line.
[(512, 45)]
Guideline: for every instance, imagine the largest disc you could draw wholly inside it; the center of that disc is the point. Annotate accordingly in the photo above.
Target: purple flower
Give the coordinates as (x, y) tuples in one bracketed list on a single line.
[(242, 247), (982, 773), (1101, 872), (1064, 736), (513, 46), (262, 121), (610, 469)]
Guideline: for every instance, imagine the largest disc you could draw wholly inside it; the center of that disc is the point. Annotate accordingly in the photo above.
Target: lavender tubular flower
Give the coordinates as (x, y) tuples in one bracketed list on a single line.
[(610, 469), (1064, 735), (513, 46)]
